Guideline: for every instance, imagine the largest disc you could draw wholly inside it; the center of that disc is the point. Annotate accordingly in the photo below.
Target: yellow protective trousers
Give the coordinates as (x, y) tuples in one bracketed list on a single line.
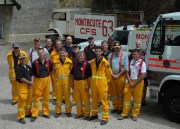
[(117, 88), (136, 93), (109, 91), (14, 90), (63, 89), (54, 85), (24, 100), (41, 89), (82, 97), (12, 75), (99, 89)]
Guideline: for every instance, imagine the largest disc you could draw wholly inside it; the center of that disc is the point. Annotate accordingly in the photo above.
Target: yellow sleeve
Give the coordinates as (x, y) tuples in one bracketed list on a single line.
[(23, 52), (108, 72)]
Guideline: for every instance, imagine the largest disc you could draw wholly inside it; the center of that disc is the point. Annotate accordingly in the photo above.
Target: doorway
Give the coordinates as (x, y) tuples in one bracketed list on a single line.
[(1, 23)]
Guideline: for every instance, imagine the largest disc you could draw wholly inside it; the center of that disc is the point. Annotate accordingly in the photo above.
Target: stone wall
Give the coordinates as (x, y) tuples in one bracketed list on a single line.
[(33, 17)]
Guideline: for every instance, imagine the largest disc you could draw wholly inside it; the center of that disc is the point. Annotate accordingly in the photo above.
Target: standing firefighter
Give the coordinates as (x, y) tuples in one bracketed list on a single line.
[(41, 69), (81, 73), (49, 45), (62, 67), (99, 87), (142, 54), (25, 82), (118, 62), (134, 87), (105, 54), (53, 56), (33, 54), (69, 45), (12, 59), (111, 41), (90, 49)]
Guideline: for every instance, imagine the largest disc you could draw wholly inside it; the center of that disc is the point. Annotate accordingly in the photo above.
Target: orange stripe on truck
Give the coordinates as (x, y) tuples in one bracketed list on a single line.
[(161, 66), (156, 59)]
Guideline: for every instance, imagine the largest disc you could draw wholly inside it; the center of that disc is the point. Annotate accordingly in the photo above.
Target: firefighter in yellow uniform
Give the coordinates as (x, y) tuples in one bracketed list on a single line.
[(118, 62), (12, 59), (105, 54), (25, 83), (62, 67), (81, 73), (134, 87), (41, 69), (99, 87), (53, 56)]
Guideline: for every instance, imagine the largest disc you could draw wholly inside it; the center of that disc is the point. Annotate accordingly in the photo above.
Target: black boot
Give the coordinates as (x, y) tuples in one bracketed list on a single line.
[(103, 122), (93, 117), (22, 121)]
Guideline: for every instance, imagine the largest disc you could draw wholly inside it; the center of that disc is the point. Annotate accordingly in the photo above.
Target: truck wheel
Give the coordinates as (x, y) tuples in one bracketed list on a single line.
[(171, 104)]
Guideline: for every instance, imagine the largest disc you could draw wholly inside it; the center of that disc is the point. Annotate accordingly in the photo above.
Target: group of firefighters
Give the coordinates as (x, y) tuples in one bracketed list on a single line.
[(97, 73)]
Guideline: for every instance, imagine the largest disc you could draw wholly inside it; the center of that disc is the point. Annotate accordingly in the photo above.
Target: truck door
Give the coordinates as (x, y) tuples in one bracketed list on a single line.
[(172, 41), (60, 21), (1, 23), (70, 23), (164, 52)]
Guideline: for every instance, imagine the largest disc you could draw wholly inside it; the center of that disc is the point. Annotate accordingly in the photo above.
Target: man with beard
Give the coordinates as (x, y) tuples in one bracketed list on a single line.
[(62, 67)]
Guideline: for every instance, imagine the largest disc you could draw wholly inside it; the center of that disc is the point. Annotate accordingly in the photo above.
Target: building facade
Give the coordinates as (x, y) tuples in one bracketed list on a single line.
[(22, 20)]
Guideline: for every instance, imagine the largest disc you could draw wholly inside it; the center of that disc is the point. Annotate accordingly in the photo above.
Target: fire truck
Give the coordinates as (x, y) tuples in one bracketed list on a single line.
[(163, 64), (80, 23), (128, 35)]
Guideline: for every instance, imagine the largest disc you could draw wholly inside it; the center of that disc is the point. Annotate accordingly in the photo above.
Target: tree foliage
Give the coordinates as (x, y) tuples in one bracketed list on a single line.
[(151, 8)]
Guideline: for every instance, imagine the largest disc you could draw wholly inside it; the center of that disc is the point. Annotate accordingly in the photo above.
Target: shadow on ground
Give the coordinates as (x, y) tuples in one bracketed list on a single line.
[(5, 101)]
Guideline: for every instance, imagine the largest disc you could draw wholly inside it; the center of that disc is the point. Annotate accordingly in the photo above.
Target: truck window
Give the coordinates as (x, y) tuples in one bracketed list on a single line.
[(59, 16), (121, 36), (172, 35), (156, 46)]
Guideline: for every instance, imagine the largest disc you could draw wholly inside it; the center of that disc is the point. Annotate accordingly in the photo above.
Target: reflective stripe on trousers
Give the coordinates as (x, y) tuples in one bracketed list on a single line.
[(99, 77), (136, 92), (82, 97), (41, 89), (62, 76), (117, 88)]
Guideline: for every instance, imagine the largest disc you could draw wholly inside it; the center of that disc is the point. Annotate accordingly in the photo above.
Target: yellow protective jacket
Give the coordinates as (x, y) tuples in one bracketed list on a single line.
[(54, 56), (10, 60), (104, 71), (62, 70)]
